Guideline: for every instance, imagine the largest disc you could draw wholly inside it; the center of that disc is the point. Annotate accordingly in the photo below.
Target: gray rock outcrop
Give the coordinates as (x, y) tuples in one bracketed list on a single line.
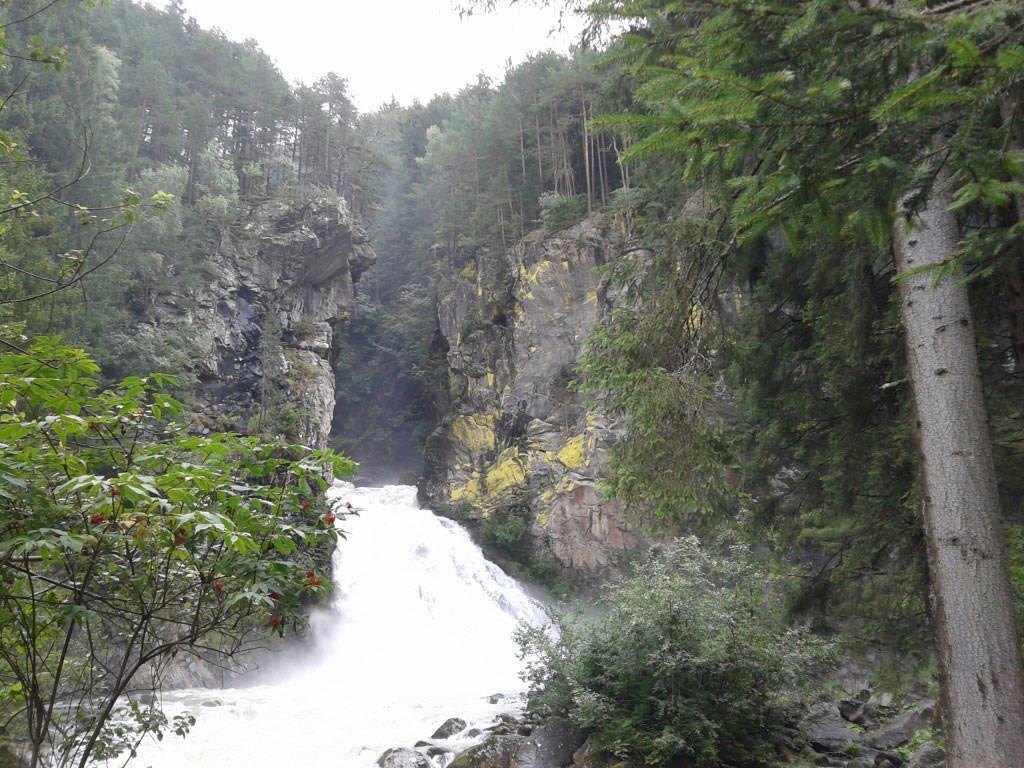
[(257, 328), (901, 729), (826, 730), (516, 327)]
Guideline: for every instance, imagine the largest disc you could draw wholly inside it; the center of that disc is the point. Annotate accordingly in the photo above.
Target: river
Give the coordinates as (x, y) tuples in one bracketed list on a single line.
[(419, 630)]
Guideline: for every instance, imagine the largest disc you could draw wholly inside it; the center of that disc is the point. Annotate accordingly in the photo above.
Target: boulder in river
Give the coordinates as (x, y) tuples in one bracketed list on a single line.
[(494, 752), (449, 728), (403, 757)]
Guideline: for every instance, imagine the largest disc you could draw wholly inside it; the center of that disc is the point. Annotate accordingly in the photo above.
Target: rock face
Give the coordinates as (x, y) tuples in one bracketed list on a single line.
[(518, 433), (260, 322)]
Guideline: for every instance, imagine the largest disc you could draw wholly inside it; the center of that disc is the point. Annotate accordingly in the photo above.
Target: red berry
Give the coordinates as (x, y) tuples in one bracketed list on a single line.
[(94, 425), (310, 574), (56, 535), (275, 595), (314, 582), (97, 519), (275, 620), (329, 517), (178, 540), (114, 492), (219, 587), (304, 505)]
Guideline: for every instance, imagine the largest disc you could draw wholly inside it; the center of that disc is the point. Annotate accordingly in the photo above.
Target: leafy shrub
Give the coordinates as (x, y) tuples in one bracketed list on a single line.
[(690, 660), (125, 540), (507, 526)]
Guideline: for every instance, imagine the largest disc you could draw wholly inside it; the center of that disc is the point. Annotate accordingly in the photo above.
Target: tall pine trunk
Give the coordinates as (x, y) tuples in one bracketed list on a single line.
[(978, 652)]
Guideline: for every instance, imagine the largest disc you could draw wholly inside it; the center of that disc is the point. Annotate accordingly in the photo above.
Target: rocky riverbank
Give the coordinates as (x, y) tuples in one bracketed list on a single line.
[(866, 728)]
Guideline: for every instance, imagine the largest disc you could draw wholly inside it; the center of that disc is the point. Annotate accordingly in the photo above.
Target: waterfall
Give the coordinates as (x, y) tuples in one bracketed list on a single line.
[(419, 630)]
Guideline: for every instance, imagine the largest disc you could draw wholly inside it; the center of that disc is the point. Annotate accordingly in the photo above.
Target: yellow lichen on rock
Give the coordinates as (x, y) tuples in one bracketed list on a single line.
[(573, 454), (474, 432), (469, 492), (507, 472)]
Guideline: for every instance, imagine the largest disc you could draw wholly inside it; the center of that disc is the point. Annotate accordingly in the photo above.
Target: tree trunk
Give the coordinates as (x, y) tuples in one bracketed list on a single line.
[(978, 652), (586, 152)]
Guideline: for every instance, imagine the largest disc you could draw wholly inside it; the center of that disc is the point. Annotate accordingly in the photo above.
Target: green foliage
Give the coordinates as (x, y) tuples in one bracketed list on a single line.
[(648, 363), (802, 125), (140, 108), (558, 211), (507, 525), (689, 661), (124, 540)]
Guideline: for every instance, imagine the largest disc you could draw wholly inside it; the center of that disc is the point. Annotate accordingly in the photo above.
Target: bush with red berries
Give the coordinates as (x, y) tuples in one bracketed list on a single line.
[(138, 540)]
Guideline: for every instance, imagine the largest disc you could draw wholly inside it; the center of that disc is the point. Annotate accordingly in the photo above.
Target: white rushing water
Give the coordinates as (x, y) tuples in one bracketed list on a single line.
[(419, 630)]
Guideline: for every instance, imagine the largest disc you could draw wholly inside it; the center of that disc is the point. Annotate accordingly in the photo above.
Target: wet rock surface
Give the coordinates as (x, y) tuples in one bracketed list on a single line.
[(449, 728), (403, 757)]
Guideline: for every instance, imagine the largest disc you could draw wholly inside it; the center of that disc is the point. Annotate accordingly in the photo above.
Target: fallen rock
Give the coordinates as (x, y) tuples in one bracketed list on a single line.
[(551, 745), (901, 729), (403, 757), (449, 728), (826, 730), (928, 755), (494, 698), (858, 711), (494, 752)]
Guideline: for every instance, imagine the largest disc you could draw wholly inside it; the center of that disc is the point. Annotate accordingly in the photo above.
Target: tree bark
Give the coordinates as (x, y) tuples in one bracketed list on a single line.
[(978, 651)]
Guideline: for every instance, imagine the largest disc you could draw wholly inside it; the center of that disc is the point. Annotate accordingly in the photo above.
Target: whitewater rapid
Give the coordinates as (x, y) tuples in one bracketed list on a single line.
[(419, 630)]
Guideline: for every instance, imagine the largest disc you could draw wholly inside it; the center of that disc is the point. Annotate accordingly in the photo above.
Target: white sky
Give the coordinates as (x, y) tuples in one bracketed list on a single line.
[(409, 49)]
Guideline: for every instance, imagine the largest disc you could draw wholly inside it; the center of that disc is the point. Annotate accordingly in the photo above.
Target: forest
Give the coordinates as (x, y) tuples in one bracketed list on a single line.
[(797, 391)]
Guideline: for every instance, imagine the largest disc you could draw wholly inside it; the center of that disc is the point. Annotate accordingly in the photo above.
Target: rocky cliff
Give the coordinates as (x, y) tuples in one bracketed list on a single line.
[(519, 441), (260, 323)]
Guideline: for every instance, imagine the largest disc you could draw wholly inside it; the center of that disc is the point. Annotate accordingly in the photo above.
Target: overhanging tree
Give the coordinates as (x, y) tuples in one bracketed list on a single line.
[(125, 541), (889, 122)]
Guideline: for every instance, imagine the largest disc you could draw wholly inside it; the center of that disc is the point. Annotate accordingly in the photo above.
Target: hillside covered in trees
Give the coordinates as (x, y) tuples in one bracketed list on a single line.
[(733, 292)]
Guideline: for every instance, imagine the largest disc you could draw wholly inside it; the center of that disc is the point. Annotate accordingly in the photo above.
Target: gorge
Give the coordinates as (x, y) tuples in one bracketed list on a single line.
[(624, 327)]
